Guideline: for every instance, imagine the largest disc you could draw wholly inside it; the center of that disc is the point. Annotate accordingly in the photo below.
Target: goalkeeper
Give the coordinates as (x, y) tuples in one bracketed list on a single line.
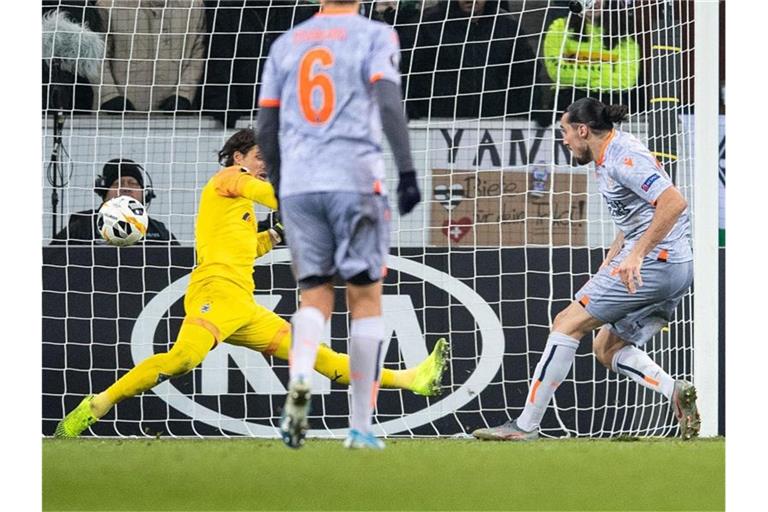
[(219, 303)]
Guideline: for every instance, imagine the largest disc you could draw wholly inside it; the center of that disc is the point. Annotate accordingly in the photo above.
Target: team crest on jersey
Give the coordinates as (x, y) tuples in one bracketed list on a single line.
[(617, 208), (628, 162), (205, 307), (649, 181)]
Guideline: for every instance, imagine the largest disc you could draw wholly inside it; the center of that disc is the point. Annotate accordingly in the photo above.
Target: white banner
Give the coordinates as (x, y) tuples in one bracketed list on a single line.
[(180, 155)]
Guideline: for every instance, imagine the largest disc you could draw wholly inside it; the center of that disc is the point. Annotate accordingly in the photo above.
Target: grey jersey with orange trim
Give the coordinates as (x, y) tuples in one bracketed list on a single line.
[(631, 180), (321, 75)]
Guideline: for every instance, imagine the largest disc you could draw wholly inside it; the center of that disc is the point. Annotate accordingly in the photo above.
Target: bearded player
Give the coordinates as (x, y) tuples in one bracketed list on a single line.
[(646, 272)]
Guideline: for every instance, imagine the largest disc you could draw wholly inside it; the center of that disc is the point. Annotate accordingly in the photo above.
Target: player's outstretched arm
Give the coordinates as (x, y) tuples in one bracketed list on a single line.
[(258, 191), (236, 181)]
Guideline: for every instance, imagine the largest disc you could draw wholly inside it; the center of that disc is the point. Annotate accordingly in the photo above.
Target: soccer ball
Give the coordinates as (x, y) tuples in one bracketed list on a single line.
[(122, 221), (578, 6)]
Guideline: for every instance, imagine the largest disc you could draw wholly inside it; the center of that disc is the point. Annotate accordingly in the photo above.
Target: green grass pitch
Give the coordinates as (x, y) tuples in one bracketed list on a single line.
[(433, 474)]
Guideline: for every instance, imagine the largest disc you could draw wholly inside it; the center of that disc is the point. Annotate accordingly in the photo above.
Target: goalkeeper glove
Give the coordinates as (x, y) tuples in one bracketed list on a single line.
[(276, 229), (277, 233), (408, 195)]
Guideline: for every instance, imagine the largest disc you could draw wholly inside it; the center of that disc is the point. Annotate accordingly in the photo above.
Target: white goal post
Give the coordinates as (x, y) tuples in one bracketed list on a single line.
[(706, 264), (507, 232)]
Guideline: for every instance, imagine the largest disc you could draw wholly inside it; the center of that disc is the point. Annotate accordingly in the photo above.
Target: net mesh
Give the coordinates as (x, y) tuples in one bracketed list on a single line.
[(508, 230)]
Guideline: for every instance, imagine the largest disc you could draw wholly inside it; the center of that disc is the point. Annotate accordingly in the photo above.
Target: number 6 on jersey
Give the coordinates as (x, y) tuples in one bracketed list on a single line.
[(309, 81)]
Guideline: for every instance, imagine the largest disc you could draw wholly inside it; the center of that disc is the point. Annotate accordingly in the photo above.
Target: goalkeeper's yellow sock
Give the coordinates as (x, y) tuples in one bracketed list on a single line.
[(335, 366), (191, 347)]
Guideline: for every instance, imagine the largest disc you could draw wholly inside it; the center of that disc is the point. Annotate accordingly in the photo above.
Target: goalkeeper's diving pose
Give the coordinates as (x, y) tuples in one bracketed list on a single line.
[(644, 275), (219, 305)]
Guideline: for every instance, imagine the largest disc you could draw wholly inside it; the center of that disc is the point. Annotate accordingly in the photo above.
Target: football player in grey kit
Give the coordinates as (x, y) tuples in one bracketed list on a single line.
[(330, 87), (647, 270)]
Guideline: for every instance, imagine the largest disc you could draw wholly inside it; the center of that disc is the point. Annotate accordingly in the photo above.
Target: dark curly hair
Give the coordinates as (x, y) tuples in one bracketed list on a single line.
[(242, 141), (596, 114)]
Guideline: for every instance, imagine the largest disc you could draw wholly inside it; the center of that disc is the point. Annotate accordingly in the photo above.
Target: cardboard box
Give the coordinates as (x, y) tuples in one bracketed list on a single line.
[(508, 208)]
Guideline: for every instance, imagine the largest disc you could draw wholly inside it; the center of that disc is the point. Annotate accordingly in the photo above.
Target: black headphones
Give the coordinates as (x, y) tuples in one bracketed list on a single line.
[(101, 185)]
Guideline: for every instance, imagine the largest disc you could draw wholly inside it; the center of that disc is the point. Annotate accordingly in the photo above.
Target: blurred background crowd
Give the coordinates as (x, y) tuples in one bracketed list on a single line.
[(460, 58)]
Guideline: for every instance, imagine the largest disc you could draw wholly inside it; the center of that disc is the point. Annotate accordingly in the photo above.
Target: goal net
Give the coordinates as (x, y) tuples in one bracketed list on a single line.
[(507, 232)]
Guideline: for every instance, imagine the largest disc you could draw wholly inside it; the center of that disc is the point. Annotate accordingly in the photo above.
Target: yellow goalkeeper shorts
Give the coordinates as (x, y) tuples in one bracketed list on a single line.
[(232, 316)]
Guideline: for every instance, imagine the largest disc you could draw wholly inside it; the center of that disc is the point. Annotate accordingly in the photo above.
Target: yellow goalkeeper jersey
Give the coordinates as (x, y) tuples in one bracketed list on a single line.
[(226, 237)]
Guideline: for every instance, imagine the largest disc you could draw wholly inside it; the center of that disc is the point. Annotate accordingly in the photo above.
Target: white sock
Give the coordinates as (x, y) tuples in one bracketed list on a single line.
[(308, 324), (553, 367), (365, 345), (635, 364)]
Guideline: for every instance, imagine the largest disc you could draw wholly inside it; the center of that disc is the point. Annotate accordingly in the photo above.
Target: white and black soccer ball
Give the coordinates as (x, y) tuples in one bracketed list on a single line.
[(122, 221), (579, 6)]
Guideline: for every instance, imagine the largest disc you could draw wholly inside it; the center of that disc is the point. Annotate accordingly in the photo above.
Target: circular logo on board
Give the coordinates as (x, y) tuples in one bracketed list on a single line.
[(490, 357)]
